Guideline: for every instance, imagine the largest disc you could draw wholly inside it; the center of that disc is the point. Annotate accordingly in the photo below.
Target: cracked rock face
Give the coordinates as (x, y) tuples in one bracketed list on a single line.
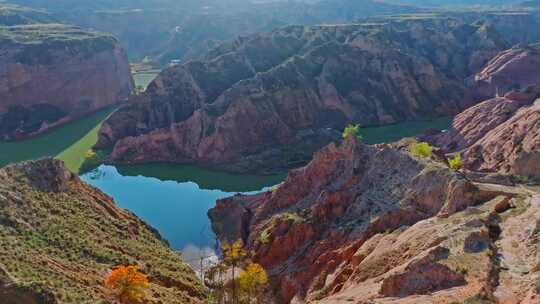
[(370, 224), (267, 101), (512, 147)]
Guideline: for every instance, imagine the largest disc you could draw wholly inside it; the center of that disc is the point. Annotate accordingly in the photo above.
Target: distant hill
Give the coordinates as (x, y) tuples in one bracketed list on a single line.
[(187, 29), (531, 3), (17, 15), (453, 3)]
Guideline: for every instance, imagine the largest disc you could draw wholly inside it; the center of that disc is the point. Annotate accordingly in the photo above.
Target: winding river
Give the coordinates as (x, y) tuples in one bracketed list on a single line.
[(172, 198)]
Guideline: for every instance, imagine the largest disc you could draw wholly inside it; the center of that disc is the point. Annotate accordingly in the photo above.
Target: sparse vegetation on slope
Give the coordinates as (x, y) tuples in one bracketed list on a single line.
[(61, 237)]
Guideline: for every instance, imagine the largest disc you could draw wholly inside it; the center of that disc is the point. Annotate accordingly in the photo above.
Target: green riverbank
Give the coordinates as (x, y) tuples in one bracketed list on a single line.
[(68, 142)]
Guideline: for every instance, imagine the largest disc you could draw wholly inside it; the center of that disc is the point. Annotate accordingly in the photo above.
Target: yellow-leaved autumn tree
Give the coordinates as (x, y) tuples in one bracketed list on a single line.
[(232, 255), (252, 282), (243, 289), (128, 284)]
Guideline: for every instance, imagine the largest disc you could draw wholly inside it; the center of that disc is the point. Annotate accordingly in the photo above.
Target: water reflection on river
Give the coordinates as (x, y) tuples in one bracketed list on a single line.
[(175, 199)]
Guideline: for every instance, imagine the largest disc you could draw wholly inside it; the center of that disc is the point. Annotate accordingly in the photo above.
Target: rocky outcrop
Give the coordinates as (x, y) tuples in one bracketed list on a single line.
[(270, 100), (512, 147), (513, 69), (51, 74), (61, 237), (503, 133), (370, 223), (498, 135)]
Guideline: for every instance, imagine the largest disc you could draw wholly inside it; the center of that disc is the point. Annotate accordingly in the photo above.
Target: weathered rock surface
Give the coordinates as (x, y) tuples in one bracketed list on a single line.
[(270, 100), (512, 147), (370, 224), (513, 69), (60, 238), (503, 133), (51, 74)]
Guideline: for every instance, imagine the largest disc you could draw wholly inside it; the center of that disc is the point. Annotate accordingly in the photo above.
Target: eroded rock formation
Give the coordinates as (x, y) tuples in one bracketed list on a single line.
[(502, 133), (268, 101), (513, 69), (371, 224)]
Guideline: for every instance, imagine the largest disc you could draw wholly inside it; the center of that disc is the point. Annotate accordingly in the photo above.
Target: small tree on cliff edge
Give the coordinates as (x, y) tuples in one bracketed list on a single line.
[(232, 256), (352, 130)]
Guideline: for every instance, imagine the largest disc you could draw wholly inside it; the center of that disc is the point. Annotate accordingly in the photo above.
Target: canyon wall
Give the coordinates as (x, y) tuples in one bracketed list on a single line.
[(51, 74), (267, 101), (187, 30)]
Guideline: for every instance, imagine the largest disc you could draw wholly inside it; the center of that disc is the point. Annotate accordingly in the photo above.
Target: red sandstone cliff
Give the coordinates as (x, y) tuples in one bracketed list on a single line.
[(502, 133), (267, 101), (367, 224), (51, 74), (513, 69)]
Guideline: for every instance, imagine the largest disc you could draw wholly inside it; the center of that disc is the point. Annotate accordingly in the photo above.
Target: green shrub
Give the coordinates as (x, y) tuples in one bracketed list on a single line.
[(455, 162), (352, 130), (421, 149)]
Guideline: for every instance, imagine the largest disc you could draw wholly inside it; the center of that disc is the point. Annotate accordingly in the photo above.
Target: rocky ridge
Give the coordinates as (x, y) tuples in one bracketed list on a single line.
[(502, 133), (514, 69), (187, 30), (269, 100), (52, 73), (16, 15), (371, 224), (60, 238)]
